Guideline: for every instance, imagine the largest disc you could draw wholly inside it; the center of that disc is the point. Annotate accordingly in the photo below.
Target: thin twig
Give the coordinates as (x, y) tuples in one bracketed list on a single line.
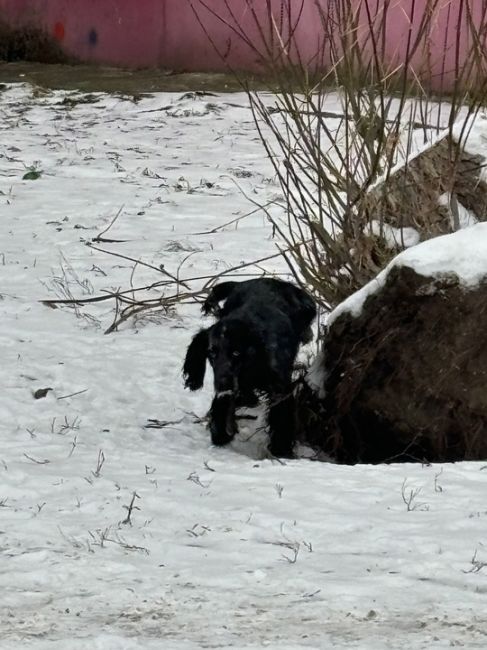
[(79, 392), (99, 237), (159, 269)]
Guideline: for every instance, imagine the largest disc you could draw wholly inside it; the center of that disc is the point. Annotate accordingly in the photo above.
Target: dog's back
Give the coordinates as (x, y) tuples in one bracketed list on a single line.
[(262, 295)]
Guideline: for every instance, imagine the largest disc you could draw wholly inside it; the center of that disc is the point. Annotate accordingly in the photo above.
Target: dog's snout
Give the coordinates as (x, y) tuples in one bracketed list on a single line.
[(224, 377)]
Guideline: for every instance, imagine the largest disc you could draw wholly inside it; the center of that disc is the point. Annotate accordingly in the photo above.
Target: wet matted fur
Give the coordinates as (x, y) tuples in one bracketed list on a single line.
[(252, 348)]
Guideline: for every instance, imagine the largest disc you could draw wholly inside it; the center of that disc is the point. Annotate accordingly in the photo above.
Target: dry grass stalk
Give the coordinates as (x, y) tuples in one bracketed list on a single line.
[(175, 291)]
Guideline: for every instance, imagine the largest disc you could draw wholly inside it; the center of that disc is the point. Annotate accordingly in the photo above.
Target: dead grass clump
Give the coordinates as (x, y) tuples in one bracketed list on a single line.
[(421, 195)]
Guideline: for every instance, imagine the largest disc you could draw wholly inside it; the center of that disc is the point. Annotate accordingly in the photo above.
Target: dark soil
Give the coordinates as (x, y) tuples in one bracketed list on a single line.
[(91, 78), (407, 379), (30, 55)]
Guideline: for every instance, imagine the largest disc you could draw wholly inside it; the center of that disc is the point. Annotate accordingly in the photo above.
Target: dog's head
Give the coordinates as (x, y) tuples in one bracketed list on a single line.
[(231, 346)]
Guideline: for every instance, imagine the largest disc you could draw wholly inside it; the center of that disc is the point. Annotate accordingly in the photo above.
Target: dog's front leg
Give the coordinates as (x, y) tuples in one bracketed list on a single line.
[(223, 425), (282, 424)]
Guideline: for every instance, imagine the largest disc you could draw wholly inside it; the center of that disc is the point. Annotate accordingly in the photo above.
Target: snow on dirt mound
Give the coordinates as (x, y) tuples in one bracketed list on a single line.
[(463, 253)]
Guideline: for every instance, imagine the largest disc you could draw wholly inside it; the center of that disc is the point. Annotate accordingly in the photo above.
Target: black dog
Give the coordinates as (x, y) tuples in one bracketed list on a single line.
[(252, 348)]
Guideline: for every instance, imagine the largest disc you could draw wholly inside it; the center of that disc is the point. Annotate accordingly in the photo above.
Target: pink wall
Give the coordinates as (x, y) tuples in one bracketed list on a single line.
[(166, 33)]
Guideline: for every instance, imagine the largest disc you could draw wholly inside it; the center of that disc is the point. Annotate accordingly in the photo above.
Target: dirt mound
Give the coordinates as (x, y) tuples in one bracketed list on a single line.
[(29, 44), (412, 197), (407, 378)]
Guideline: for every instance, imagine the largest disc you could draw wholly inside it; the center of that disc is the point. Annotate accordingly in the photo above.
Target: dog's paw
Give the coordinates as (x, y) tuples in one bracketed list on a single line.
[(192, 383), (220, 440), (219, 437), (280, 450)]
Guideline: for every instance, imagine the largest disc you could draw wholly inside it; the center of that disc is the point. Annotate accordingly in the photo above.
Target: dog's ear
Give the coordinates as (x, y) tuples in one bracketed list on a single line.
[(218, 293), (195, 363)]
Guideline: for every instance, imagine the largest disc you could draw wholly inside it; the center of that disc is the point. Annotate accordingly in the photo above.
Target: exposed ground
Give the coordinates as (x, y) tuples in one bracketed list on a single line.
[(89, 78)]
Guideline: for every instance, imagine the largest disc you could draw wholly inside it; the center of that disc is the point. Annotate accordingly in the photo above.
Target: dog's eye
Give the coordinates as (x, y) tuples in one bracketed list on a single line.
[(211, 353), (236, 354)]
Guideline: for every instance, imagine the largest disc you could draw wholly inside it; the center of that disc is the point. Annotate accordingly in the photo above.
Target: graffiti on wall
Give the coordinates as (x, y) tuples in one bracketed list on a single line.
[(59, 32)]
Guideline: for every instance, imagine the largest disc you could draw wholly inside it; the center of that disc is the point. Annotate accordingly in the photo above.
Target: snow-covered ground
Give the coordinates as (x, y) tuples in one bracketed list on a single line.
[(224, 548)]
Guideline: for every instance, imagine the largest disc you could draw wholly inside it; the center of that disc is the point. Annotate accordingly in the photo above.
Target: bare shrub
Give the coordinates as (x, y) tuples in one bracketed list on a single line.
[(349, 175)]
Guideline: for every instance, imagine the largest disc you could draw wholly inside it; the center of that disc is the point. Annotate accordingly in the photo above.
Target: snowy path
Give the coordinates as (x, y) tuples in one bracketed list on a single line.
[(224, 548)]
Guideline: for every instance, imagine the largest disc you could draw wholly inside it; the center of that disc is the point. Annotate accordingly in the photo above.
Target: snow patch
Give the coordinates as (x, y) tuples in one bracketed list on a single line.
[(395, 237), (463, 253), (466, 217), (316, 375)]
